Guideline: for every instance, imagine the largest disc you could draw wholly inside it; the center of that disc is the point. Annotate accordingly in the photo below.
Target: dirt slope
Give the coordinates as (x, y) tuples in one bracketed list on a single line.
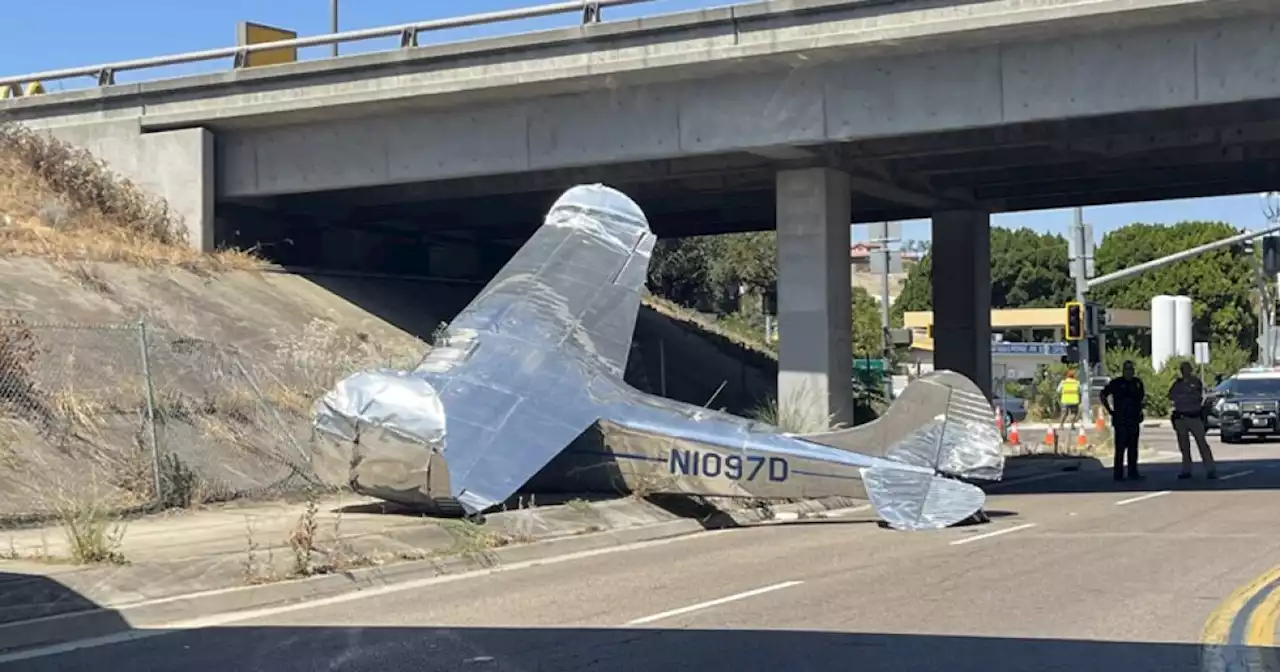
[(236, 352)]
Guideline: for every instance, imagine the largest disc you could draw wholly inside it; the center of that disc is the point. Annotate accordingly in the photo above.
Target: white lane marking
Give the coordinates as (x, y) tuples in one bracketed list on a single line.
[(989, 535), (1140, 498), (239, 616), (714, 603), (1238, 474)]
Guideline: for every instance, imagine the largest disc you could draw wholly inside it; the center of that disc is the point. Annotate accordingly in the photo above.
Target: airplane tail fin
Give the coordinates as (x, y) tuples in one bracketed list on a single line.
[(917, 500), (958, 436)]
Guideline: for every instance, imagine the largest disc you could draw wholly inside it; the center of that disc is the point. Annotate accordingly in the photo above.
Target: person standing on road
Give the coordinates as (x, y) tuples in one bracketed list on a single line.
[(1123, 398), (1069, 399), (1187, 394)]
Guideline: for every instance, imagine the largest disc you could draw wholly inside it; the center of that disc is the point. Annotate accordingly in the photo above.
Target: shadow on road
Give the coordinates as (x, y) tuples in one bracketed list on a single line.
[(1233, 475), (431, 649), (31, 597)]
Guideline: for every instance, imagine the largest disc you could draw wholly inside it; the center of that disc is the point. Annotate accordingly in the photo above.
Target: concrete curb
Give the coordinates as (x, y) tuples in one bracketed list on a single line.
[(116, 618)]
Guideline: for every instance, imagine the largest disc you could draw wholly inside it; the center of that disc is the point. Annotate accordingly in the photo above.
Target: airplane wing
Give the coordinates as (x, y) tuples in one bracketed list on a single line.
[(519, 360), (576, 283)]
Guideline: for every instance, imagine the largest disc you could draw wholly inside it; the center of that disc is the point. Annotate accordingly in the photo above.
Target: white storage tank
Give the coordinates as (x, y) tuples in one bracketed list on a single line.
[(1182, 326), (1162, 330)]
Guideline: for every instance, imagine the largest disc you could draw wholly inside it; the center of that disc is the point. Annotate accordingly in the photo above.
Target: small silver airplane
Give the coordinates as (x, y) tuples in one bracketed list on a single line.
[(528, 382)]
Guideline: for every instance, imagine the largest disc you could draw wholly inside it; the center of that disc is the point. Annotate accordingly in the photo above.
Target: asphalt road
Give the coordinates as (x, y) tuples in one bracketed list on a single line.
[(1074, 573)]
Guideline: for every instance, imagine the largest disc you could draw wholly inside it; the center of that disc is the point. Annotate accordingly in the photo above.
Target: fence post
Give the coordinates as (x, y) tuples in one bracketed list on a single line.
[(151, 408)]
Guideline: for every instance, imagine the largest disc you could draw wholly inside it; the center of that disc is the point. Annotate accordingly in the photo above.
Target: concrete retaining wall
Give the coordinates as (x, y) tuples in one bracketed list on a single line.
[(177, 166)]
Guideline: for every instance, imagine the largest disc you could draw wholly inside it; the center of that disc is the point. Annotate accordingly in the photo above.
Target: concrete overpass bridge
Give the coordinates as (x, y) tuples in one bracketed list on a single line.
[(802, 115)]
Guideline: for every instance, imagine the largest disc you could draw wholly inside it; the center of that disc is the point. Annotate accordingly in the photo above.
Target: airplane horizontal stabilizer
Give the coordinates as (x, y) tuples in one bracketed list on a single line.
[(914, 500), (958, 435)]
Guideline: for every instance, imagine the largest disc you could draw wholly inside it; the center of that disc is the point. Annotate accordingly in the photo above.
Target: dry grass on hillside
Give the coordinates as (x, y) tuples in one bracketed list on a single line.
[(229, 423), (60, 203), (680, 314)]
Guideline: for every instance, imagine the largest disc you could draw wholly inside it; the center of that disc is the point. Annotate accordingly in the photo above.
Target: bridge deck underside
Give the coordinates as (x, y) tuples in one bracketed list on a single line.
[(1136, 157)]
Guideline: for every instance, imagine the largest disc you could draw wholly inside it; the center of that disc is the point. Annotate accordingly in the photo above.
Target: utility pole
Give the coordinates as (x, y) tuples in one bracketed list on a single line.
[(333, 26), (882, 234), (1081, 252), (884, 319), (1266, 314)]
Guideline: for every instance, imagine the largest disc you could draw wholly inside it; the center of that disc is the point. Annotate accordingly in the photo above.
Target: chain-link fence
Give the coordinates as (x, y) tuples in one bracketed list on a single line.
[(132, 416)]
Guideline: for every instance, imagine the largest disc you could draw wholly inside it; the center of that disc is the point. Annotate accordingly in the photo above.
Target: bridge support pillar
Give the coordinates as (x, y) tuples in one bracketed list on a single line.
[(814, 323), (174, 165), (962, 294)]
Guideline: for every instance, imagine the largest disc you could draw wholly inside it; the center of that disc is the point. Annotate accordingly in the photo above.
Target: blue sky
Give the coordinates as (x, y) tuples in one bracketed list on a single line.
[(89, 32)]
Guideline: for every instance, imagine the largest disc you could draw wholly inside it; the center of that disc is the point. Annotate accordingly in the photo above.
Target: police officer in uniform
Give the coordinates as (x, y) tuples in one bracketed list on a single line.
[(1123, 398), (1187, 395)]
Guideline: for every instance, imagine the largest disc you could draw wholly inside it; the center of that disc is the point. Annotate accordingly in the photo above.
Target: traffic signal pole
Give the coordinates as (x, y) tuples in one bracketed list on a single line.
[(1178, 256), (1080, 271)]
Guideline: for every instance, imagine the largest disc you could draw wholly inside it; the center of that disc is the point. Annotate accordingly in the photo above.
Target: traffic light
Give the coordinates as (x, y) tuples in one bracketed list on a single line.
[(1095, 349), (1095, 319), (1075, 321), (1271, 255)]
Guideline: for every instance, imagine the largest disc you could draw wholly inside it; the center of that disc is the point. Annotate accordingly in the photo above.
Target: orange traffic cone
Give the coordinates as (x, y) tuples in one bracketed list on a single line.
[(1013, 433), (1048, 437), (1081, 439), (1101, 423)]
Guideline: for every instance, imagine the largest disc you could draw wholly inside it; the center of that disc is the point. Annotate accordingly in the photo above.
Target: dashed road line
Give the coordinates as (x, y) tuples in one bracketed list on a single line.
[(1238, 474), (229, 618), (1143, 498), (988, 535), (714, 603)]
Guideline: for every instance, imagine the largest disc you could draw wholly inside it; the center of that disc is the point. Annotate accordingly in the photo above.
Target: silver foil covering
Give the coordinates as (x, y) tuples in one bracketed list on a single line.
[(537, 360)]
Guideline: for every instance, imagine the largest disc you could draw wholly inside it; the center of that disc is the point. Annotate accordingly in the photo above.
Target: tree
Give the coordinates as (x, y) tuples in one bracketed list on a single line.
[(696, 271), (917, 291), (681, 270), (749, 259), (1028, 270), (1219, 282), (867, 336)]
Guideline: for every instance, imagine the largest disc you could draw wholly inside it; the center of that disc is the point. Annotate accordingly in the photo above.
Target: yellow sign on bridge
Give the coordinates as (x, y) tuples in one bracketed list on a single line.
[(248, 33)]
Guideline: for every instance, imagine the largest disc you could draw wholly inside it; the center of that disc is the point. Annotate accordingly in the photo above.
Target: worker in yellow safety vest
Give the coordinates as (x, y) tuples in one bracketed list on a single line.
[(1069, 399)]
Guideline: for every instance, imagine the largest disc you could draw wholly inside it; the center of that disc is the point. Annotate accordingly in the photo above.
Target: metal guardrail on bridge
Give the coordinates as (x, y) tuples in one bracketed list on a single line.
[(590, 9)]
